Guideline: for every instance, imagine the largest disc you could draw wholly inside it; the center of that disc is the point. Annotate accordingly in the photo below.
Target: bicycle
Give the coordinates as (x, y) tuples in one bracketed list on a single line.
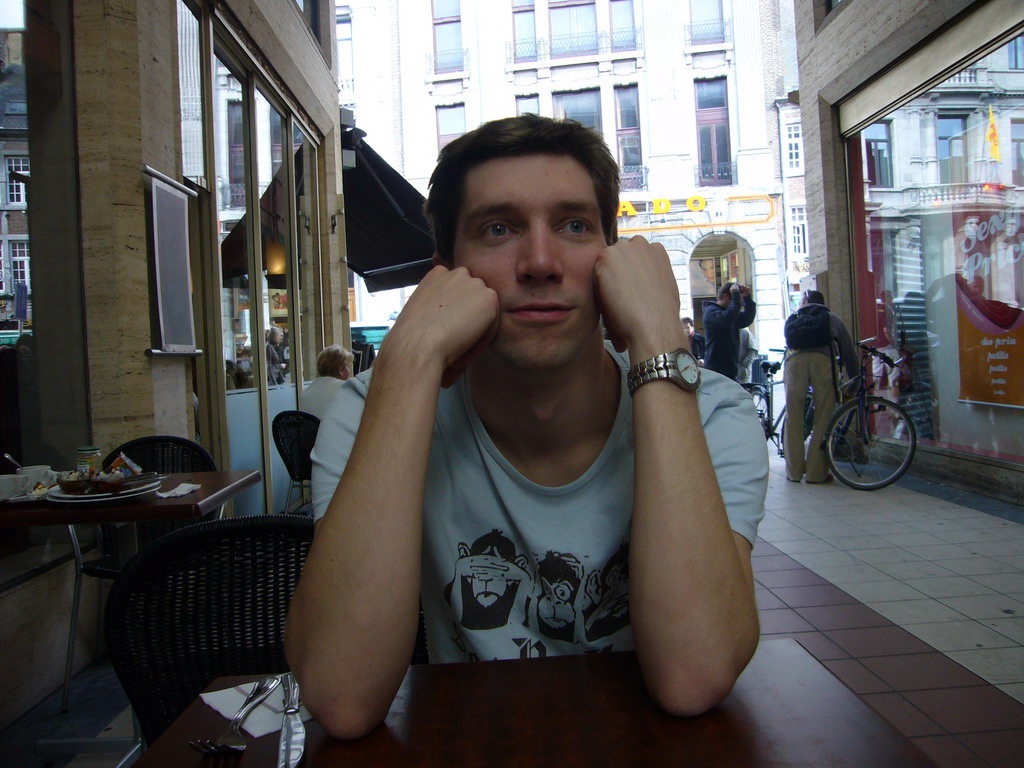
[(763, 396), (869, 441)]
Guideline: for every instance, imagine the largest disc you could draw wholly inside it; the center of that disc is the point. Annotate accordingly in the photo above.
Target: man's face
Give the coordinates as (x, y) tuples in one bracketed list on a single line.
[(531, 230), (688, 328)]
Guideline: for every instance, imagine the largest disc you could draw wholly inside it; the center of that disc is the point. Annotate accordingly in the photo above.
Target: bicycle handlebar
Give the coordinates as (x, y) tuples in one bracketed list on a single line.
[(868, 349)]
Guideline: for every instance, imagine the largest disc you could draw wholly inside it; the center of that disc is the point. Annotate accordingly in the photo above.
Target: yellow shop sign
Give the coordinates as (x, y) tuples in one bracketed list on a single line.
[(662, 205)]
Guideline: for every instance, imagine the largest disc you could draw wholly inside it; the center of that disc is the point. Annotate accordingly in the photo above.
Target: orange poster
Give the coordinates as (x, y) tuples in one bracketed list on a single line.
[(991, 348)]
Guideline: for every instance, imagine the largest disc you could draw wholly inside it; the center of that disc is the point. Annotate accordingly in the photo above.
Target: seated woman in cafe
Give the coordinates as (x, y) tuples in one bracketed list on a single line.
[(333, 366), (540, 490)]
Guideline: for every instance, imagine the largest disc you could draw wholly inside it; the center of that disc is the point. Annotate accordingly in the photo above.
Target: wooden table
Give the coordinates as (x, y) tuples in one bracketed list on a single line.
[(587, 711), (216, 488)]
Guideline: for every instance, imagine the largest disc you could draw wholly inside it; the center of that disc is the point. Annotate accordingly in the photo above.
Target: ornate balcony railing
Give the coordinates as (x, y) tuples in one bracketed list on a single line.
[(709, 32), (715, 174), (971, 192), (633, 177), (447, 61), (564, 46)]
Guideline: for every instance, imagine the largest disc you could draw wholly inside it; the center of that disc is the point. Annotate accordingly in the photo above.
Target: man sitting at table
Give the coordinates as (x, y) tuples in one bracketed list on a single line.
[(540, 490)]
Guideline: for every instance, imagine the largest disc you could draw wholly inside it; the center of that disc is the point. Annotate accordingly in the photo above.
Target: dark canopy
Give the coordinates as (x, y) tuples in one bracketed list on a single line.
[(389, 243)]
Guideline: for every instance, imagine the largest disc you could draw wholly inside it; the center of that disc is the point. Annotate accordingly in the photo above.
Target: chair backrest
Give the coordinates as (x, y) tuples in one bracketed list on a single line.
[(294, 435), (204, 601), (165, 453)]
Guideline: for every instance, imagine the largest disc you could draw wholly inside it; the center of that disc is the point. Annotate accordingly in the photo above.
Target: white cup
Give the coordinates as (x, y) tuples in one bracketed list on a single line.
[(38, 473), (13, 485)]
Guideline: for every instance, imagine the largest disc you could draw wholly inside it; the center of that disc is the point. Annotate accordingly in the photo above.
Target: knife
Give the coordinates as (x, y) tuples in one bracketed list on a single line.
[(293, 730)]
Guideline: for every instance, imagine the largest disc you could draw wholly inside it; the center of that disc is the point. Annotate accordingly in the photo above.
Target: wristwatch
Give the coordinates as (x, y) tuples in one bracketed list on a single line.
[(680, 367)]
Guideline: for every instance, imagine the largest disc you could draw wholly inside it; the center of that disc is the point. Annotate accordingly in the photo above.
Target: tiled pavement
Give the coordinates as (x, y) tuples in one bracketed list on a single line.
[(915, 602)]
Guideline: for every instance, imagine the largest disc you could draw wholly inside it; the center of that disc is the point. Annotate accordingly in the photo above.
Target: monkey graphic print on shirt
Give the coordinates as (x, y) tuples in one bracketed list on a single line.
[(555, 598)]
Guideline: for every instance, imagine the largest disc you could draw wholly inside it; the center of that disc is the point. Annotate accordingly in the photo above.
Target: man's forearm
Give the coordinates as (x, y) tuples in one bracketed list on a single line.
[(691, 590), (353, 620)]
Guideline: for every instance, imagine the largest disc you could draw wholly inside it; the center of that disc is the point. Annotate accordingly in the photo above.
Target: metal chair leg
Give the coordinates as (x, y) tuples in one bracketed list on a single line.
[(70, 657)]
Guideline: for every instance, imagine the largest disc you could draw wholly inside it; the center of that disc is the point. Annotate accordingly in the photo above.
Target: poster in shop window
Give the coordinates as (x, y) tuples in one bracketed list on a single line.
[(989, 318)]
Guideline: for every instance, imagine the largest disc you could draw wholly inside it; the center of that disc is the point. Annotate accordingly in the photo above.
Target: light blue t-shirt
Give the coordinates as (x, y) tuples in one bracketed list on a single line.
[(512, 569)]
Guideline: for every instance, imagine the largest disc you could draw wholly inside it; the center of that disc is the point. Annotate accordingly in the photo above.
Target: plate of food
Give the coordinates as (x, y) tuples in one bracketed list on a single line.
[(38, 493), (101, 489)]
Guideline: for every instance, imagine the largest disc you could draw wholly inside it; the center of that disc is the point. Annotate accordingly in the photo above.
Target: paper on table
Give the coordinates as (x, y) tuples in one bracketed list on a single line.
[(266, 718), (181, 490)]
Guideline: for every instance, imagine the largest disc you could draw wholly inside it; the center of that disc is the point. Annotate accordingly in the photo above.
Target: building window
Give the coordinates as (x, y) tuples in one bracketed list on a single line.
[(706, 24), (15, 188), (582, 106), (573, 27), (343, 39), (878, 154), (310, 10), (3, 274), (714, 155), (1017, 151), (524, 22), (449, 55), (451, 123), (19, 263), (798, 231), (952, 148), (1015, 51), (627, 137), (794, 149), (236, 156), (527, 105), (623, 25)]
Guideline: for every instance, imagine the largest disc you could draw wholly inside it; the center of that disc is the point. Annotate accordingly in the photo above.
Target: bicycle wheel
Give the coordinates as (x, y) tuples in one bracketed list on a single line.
[(870, 446), (760, 398)]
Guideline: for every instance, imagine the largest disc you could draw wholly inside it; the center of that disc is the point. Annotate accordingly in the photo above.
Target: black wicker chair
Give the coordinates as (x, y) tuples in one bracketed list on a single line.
[(160, 453), (294, 435), (205, 601)]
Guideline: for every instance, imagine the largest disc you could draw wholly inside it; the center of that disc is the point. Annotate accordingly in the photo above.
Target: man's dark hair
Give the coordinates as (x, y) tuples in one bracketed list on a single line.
[(686, 320), (814, 297), (725, 289), (517, 137)]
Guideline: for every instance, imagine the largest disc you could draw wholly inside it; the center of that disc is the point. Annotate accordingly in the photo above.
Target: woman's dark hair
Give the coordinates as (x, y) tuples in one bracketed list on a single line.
[(516, 137)]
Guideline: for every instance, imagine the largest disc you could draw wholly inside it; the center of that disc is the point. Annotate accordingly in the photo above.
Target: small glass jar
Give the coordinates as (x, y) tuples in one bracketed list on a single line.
[(89, 458)]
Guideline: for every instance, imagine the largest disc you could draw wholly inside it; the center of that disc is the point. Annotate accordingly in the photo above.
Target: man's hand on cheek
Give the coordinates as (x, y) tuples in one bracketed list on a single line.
[(451, 317), (638, 295)]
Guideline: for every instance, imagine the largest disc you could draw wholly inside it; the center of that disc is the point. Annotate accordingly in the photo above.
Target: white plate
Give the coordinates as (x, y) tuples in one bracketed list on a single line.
[(56, 494)]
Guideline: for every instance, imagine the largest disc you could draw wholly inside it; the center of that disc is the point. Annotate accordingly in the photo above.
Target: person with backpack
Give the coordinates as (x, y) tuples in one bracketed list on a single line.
[(813, 337), (723, 319)]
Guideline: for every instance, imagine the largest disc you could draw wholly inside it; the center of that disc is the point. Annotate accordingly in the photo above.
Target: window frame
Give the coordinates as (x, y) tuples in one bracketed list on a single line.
[(17, 192)]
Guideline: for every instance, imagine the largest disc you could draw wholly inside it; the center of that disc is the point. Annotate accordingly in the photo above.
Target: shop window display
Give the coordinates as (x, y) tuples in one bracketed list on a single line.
[(939, 258)]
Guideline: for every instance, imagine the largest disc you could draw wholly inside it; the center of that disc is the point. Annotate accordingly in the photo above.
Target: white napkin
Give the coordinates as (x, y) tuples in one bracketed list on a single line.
[(181, 490), (266, 718)]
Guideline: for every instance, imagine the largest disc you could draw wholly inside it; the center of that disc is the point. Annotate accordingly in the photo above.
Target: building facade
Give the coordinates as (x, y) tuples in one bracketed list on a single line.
[(687, 95), (913, 118)]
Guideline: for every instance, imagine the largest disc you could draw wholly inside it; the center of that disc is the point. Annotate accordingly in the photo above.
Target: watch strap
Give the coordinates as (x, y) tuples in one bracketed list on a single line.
[(661, 366)]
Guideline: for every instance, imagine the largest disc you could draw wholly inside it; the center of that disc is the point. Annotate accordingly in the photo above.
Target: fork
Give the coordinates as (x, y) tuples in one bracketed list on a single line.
[(232, 741)]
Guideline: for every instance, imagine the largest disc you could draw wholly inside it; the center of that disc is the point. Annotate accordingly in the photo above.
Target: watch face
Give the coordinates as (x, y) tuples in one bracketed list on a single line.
[(688, 368)]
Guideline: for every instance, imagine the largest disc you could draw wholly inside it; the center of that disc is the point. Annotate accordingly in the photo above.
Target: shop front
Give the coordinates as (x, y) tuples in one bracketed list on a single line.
[(935, 182)]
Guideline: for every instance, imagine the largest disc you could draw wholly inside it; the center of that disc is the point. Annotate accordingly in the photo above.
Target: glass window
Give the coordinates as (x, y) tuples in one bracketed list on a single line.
[(952, 149), (1015, 53), (798, 230), (20, 271), (939, 273), (573, 28), (623, 25), (1017, 152), (16, 187), (706, 24), (448, 53), (451, 123), (527, 105), (713, 144), (191, 96), (3, 272), (343, 40), (794, 149), (627, 137), (878, 154), (525, 24), (582, 106), (446, 9)]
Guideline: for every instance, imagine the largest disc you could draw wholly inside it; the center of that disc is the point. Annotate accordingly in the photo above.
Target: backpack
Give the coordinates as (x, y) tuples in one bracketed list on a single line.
[(808, 327)]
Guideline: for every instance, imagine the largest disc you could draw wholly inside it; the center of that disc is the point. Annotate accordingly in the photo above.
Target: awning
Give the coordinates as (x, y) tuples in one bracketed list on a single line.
[(389, 243)]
